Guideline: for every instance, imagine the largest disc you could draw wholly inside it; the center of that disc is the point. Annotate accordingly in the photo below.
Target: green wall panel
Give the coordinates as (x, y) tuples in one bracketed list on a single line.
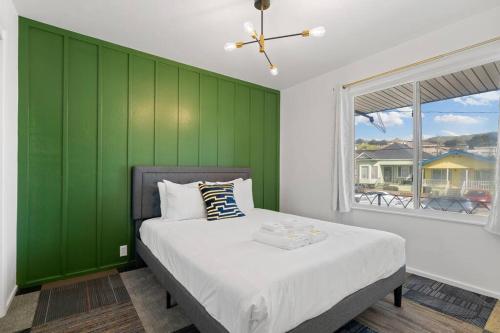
[(90, 111), (242, 126), (114, 164), (166, 114), (141, 111), (257, 145), (45, 128), (80, 143), (208, 120), (189, 117), (270, 152), (226, 124)]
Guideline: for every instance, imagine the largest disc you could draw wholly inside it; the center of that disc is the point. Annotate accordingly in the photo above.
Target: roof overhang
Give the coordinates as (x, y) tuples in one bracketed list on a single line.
[(471, 81)]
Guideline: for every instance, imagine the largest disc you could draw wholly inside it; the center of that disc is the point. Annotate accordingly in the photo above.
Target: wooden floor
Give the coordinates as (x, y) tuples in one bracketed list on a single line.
[(384, 317), (493, 324), (148, 299)]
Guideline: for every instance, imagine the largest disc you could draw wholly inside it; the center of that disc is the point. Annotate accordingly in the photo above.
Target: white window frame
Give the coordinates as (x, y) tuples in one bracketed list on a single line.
[(414, 76)]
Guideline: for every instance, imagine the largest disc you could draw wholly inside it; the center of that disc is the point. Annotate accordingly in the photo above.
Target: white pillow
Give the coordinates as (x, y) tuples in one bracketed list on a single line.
[(184, 201), (234, 181), (163, 199), (243, 195), (189, 202)]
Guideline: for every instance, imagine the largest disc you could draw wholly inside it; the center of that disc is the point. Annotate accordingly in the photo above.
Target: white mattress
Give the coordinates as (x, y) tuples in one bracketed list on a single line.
[(252, 287)]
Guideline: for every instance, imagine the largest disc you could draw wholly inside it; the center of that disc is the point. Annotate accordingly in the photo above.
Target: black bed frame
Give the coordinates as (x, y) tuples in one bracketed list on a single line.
[(146, 205)]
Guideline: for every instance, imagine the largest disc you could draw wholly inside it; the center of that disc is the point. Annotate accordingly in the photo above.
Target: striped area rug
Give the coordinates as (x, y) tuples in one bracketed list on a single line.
[(355, 327), (95, 304), (455, 302)]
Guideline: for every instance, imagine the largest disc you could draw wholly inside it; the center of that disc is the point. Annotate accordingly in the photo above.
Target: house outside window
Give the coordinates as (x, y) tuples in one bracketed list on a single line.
[(434, 142)]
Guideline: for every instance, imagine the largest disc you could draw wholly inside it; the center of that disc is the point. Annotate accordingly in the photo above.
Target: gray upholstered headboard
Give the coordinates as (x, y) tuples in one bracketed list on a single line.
[(145, 196)]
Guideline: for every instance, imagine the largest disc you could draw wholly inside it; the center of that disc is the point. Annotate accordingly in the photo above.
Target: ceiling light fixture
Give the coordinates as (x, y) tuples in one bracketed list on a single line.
[(260, 40)]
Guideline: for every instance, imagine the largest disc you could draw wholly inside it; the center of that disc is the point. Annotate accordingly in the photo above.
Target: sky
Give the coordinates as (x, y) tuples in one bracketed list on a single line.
[(457, 116)]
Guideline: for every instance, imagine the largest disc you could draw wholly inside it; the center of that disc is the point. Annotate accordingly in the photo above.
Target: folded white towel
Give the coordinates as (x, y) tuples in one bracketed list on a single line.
[(316, 235), (286, 242), (273, 226), (297, 225)]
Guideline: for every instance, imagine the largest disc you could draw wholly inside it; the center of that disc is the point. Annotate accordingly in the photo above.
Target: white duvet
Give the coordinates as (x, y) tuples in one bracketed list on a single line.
[(252, 287)]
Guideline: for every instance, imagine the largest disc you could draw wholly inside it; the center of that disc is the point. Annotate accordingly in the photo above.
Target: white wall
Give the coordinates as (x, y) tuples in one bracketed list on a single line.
[(8, 153), (464, 255)]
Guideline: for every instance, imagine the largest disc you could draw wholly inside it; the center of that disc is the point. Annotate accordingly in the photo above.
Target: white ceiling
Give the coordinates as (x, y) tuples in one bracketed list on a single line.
[(194, 31)]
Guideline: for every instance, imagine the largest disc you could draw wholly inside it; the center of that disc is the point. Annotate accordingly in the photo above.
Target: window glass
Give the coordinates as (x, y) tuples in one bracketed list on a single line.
[(457, 152), (384, 141), (364, 172), (374, 174), (459, 138), (438, 174), (404, 171)]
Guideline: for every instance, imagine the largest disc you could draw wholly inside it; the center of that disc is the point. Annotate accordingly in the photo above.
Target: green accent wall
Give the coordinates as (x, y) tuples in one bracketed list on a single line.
[(89, 110)]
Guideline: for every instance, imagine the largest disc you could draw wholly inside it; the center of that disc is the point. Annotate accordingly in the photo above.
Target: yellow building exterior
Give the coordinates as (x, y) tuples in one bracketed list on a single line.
[(452, 173), (459, 170)]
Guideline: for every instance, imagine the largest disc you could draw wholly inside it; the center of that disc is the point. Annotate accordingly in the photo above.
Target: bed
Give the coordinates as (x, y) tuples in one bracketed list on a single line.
[(225, 282)]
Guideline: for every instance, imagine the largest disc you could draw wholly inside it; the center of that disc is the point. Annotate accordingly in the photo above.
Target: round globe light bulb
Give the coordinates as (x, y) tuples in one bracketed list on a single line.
[(249, 28), (274, 70), (317, 32), (229, 46)]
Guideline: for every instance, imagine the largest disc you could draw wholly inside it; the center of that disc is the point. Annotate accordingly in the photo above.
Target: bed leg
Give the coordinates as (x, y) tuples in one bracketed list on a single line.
[(170, 302), (398, 295)]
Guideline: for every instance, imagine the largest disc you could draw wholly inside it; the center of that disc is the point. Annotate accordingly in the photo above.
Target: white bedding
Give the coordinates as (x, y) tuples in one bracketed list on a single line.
[(252, 287)]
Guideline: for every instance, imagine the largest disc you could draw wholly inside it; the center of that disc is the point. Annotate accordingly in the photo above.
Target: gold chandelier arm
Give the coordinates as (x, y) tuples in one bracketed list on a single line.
[(268, 60), (271, 38), (263, 51), (250, 42), (303, 34)]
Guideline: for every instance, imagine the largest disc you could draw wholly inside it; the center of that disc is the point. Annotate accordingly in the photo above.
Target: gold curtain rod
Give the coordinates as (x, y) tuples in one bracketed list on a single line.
[(421, 62)]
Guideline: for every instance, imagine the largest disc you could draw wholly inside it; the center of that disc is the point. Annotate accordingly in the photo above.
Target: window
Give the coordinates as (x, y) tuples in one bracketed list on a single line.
[(452, 159), (484, 175), (384, 139), (404, 171), (364, 172), (374, 174), (438, 174)]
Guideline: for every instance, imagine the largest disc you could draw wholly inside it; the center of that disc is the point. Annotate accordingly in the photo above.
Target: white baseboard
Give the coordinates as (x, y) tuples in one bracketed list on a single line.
[(3, 310), (454, 283)]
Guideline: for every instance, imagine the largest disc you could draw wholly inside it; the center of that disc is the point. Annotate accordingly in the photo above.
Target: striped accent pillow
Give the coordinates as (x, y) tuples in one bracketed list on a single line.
[(219, 200)]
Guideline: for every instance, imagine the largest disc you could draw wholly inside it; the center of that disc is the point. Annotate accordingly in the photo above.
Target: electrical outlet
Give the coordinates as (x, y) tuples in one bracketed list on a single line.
[(123, 251)]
